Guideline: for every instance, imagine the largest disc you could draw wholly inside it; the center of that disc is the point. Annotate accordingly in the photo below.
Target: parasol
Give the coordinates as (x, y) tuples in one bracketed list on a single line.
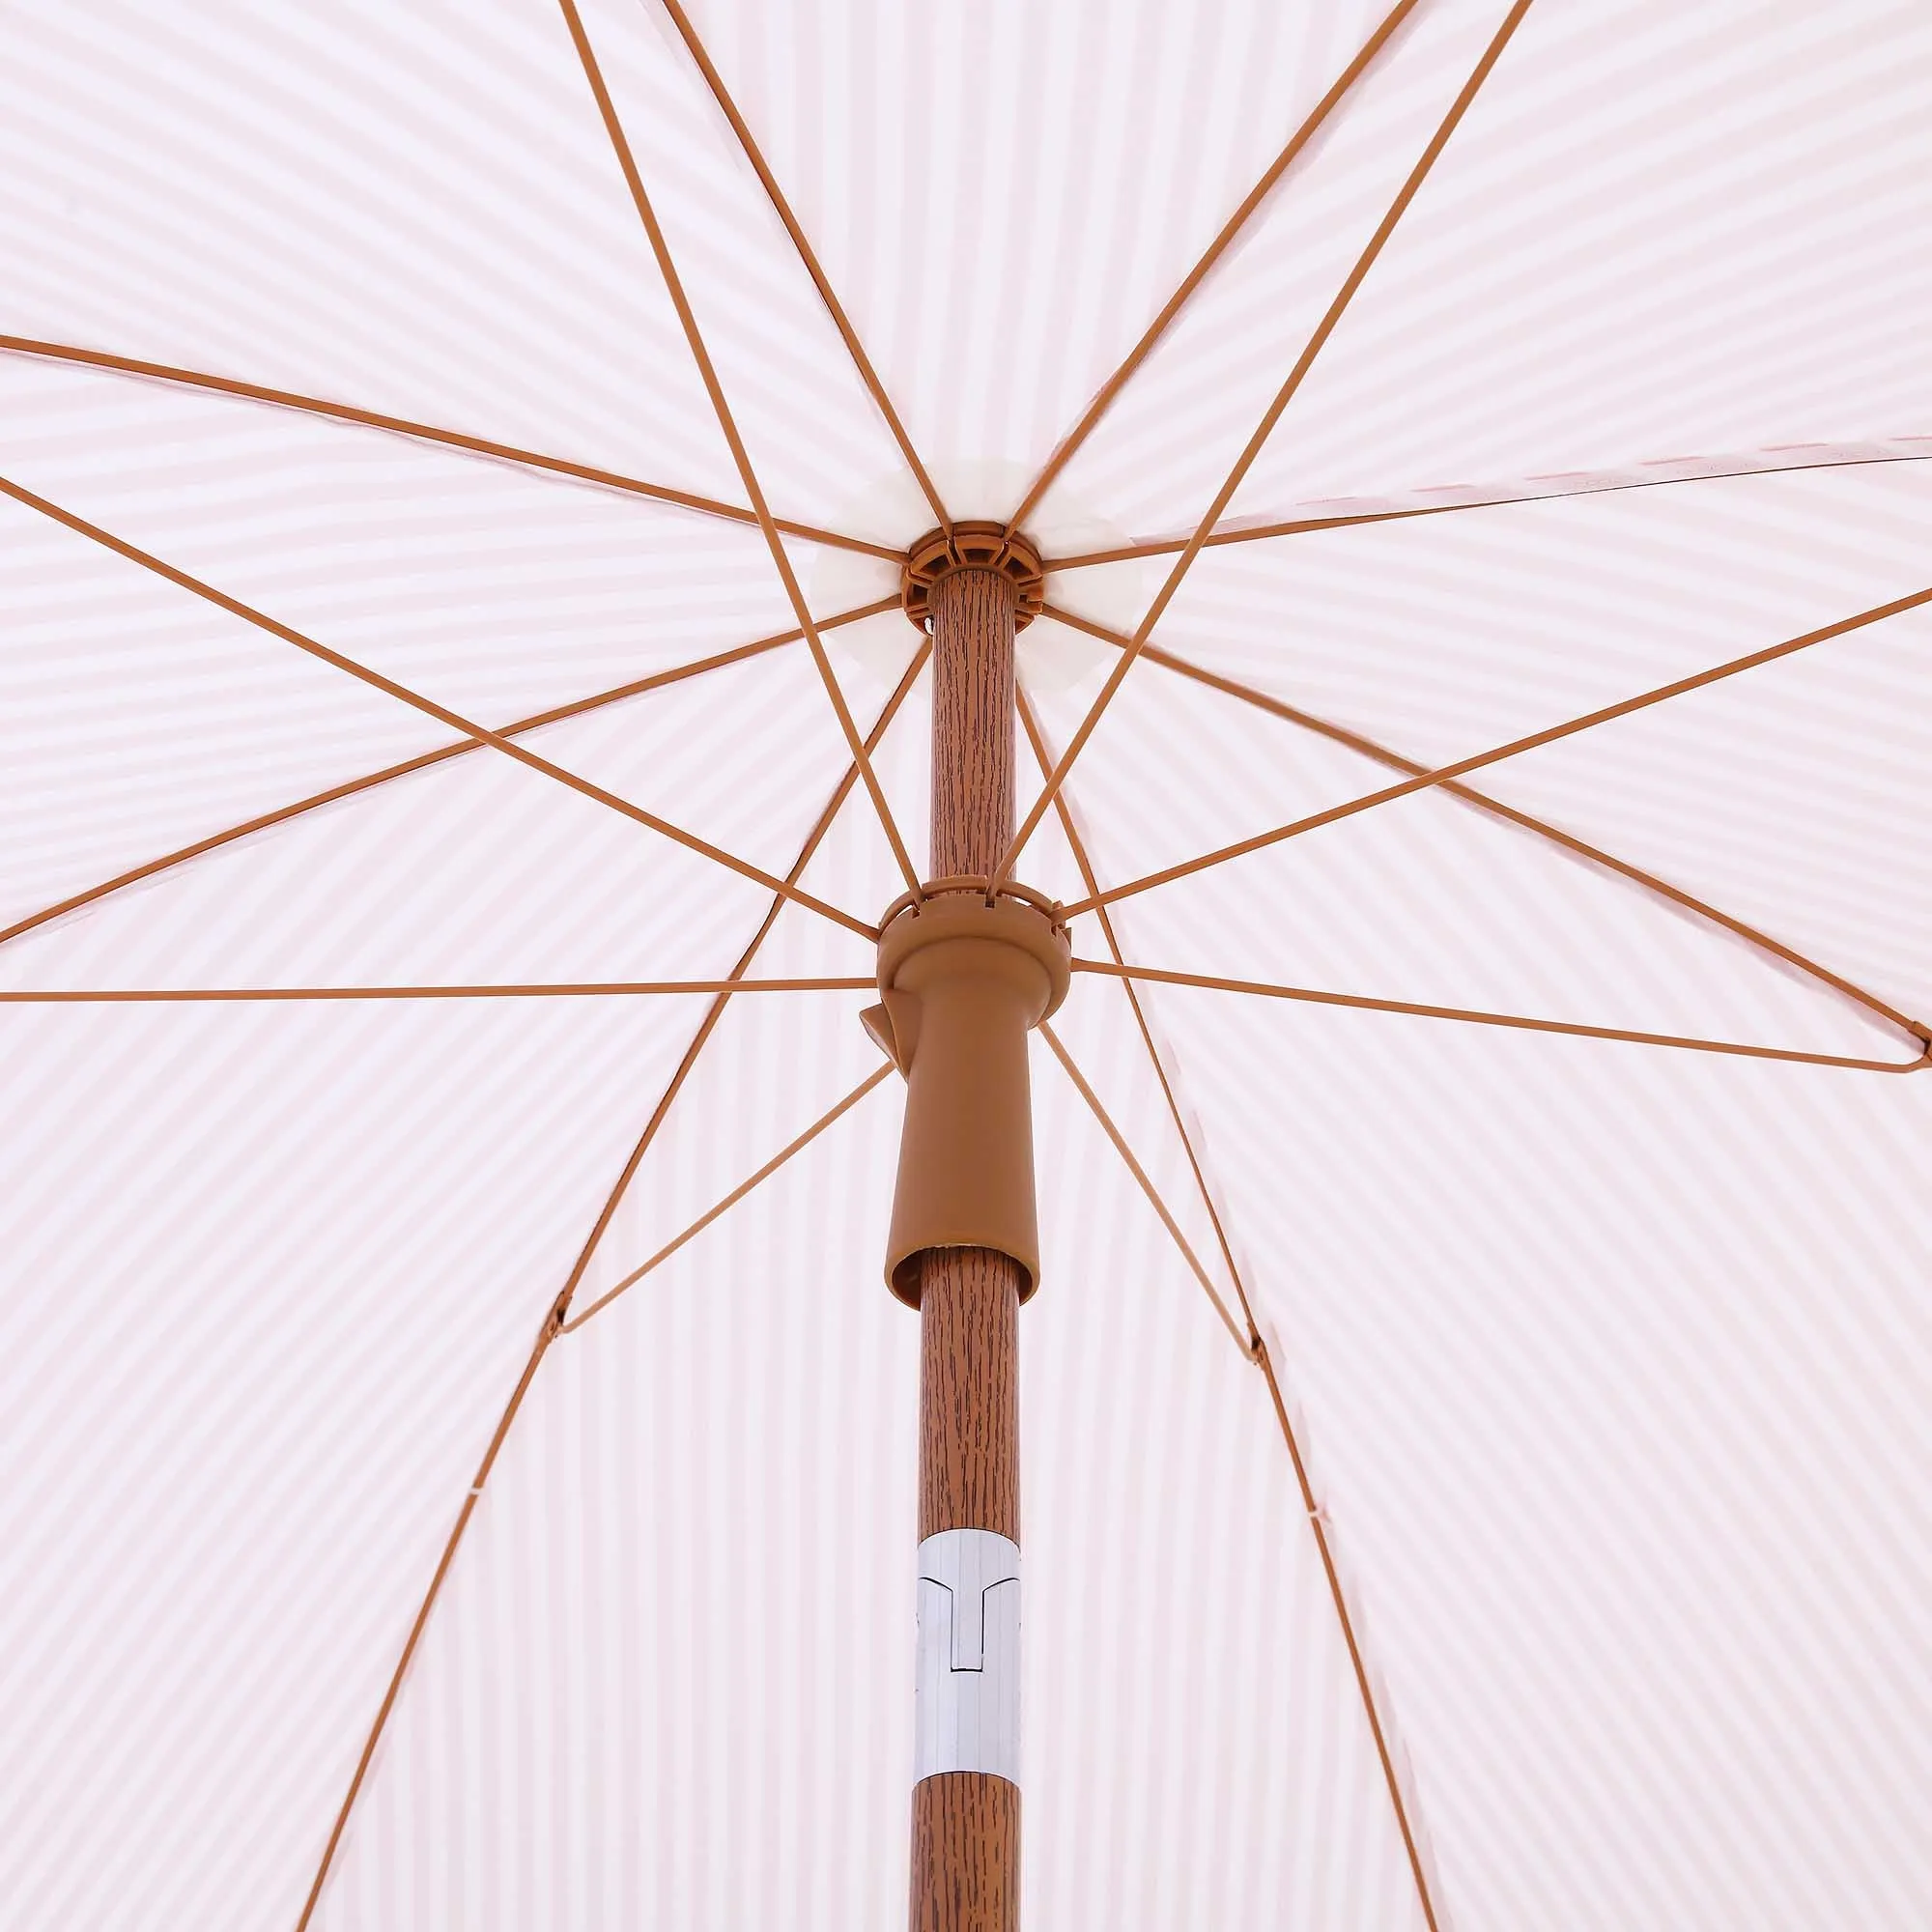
[(1235, 696)]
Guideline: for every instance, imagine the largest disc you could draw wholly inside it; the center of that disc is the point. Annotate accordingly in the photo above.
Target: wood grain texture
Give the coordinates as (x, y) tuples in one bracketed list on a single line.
[(966, 1825), (965, 1854), (969, 1297), (969, 1425), (973, 613)]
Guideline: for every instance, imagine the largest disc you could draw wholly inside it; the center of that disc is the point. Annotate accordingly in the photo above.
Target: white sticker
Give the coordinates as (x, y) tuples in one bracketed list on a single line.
[(967, 1686)]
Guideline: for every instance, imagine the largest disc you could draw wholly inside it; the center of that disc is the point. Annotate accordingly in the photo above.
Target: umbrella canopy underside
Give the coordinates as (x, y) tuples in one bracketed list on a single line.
[(1475, 1412)]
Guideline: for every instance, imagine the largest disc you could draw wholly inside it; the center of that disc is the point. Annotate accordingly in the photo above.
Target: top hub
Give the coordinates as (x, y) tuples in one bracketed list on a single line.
[(972, 547)]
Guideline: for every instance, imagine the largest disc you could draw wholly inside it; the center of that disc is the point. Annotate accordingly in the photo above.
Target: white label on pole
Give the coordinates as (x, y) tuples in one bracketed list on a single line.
[(966, 1712)]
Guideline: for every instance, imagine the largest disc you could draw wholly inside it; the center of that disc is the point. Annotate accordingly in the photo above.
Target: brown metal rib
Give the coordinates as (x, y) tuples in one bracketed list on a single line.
[(1283, 396), (545, 1336), (1424, 781), (716, 1012), (1471, 1016), (1235, 223), (449, 439), (1078, 844), (1147, 1187), (1319, 1525), (560, 1307), (429, 706), (1493, 808), (1254, 1346), (674, 287), (1350, 518), (819, 280), (370, 781), (567, 989), (736, 1195)]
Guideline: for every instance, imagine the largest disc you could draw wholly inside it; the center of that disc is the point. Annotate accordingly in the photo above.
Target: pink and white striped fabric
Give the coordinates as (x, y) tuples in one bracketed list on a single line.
[(1611, 1363)]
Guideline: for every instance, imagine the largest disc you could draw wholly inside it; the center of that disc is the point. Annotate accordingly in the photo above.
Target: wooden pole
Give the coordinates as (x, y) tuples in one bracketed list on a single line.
[(966, 1824)]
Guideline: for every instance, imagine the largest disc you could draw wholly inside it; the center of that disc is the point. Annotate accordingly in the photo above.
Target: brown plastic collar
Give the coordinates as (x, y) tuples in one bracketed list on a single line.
[(962, 982), (958, 909)]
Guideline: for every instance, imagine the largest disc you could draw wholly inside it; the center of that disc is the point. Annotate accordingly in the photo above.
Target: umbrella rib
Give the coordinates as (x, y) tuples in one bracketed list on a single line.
[(862, 362), (1078, 844), (736, 1195), (371, 781), (1318, 1522), (1147, 1187), (1255, 1347), (727, 424), (448, 438), (1352, 518), (560, 1306), (1473, 1017), (545, 1336), (1323, 329), (1070, 444), (716, 1012), (1496, 754), (427, 706), (566, 989), (1494, 807)]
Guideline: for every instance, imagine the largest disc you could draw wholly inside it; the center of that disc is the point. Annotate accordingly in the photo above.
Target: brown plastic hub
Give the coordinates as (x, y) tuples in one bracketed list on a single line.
[(973, 547)]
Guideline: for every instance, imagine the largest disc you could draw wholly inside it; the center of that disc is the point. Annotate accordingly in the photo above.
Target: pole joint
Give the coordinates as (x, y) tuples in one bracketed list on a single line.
[(972, 547), (961, 984)]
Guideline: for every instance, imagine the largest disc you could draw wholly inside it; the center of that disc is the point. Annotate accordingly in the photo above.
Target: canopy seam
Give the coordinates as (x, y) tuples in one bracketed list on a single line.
[(1353, 519)]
